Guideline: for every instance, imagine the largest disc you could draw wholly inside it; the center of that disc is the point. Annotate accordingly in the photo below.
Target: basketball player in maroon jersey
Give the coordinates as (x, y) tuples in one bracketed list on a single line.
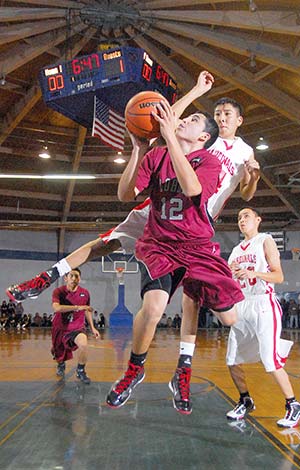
[(176, 243), (123, 236), (71, 304)]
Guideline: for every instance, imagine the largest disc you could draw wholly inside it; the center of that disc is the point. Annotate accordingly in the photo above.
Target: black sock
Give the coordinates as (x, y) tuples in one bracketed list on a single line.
[(138, 359), (185, 361), (244, 395), (80, 366), (53, 274), (288, 401)]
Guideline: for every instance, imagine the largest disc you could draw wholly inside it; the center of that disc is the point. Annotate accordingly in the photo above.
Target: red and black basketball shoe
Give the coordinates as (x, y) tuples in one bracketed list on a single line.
[(122, 389), (33, 288), (180, 387)]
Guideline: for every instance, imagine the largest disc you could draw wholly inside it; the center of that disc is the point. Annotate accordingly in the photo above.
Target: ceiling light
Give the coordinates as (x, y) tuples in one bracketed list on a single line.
[(261, 144), (44, 153), (119, 160), (47, 177), (252, 6)]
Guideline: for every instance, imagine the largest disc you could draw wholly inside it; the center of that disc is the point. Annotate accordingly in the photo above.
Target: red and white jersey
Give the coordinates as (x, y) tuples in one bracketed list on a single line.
[(232, 154), (249, 254)]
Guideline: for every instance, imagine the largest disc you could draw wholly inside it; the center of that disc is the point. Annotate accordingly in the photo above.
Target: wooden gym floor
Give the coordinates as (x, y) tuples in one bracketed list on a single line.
[(47, 423)]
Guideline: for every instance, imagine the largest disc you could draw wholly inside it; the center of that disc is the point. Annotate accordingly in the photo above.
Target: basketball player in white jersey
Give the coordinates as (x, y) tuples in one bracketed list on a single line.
[(255, 263), (238, 167)]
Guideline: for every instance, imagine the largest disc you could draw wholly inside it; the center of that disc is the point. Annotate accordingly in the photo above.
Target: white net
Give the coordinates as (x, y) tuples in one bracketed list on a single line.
[(295, 254), (120, 273)]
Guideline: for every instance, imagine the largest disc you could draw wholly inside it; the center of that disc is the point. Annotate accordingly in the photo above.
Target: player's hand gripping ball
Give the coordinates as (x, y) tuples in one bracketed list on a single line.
[(139, 120)]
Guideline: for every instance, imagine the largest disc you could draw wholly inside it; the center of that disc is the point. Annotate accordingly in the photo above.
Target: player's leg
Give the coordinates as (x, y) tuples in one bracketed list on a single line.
[(274, 352), (81, 342), (245, 404), (180, 383), (242, 347), (35, 286), (155, 295), (227, 317), (125, 235)]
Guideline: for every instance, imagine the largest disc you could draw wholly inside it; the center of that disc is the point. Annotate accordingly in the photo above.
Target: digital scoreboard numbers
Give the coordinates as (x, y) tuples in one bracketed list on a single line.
[(114, 75)]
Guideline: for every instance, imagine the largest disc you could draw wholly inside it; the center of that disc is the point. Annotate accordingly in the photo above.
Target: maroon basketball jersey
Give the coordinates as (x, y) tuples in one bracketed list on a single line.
[(174, 216), (72, 320)]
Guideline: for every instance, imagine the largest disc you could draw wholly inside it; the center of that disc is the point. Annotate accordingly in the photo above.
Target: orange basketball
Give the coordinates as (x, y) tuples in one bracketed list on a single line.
[(138, 114)]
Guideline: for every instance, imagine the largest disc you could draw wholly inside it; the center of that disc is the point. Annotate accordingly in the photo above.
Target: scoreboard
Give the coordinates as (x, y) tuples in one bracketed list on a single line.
[(114, 76)]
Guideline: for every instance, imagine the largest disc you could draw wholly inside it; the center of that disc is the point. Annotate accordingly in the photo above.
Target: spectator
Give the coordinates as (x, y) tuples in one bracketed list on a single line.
[(285, 314), (176, 322), (3, 320), (169, 322), (293, 314), (37, 320), (11, 309), (96, 318), (102, 321), (44, 321), (25, 322), (4, 307), (163, 321), (19, 309)]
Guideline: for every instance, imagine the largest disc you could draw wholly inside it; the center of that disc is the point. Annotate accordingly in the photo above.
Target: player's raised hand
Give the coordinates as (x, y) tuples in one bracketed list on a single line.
[(205, 82), (253, 168), (138, 143), (166, 118)]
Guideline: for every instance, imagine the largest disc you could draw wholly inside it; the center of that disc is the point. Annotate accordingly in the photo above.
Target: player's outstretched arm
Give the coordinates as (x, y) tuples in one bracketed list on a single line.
[(126, 189), (250, 179), (204, 83)]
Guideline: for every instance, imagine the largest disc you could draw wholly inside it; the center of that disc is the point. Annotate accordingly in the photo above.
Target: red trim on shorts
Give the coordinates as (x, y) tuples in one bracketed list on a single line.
[(274, 305)]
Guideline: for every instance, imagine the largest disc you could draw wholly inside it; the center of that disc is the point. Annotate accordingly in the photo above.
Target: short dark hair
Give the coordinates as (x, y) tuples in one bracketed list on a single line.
[(256, 212), (212, 128), (227, 100), (76, 269)]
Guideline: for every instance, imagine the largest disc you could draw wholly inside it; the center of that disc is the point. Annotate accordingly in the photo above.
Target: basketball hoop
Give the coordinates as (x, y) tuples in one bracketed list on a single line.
[(295, 253), (119, 273)]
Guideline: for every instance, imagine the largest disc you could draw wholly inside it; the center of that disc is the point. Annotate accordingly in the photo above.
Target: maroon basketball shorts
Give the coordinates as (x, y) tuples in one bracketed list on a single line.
[(207, 279)]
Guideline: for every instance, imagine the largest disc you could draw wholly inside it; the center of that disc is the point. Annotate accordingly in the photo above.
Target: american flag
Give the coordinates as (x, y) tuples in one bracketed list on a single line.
[(108, 125)]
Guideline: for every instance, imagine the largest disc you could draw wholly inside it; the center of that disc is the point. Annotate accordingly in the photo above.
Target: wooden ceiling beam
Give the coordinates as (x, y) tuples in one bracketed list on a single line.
[(221, 90), (20, 54), (264, 72), (157, 4), (22, 107), (57, 214), (49, 129), (8, 14), (272, 54), (20, 31), (52, 3), (267, 21), (262, 210), (262, 91), (19, 111)]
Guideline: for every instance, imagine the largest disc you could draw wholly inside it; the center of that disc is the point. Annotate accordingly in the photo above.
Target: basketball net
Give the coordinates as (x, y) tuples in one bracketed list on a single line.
[(295, 254), (119, 273)]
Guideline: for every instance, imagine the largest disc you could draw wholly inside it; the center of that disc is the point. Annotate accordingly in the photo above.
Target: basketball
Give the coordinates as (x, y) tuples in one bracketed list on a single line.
[(139, 120)]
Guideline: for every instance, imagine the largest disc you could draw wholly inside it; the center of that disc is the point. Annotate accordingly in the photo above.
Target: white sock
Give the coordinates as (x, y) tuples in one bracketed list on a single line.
[(62, 267), (186, 349)]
